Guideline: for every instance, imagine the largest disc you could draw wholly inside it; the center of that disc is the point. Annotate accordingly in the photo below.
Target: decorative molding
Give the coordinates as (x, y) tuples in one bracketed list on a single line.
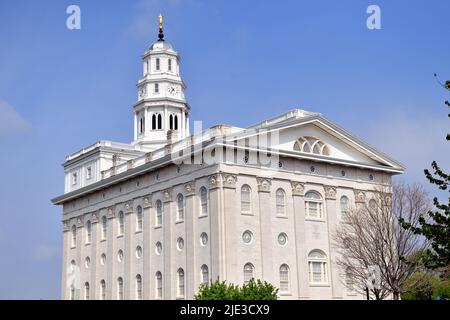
[(168, 149), (264, 184), (229, 180), (80, 222), (147, 203), (128, 207), (360, 196), (130, 164), (167, 195), (110, 213), (214, 181), (189, 188), (148, 157), (94, 218), (298, 188), (330, 192), (66, 225)]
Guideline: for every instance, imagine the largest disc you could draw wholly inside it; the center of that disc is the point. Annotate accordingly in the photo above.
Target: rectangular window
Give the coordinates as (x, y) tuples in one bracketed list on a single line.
[(157, 64), (170, 65), (313, 210), (156, 87), (317, 272)]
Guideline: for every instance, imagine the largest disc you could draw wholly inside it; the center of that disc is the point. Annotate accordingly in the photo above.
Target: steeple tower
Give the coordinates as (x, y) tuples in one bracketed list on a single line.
[(161, 110)]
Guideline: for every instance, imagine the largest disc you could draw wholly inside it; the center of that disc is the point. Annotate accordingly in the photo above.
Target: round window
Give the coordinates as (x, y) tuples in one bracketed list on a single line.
[(282, 239), (87, 262), (203, 239), (247, 236), (103, 259), (180, 244), (120, 255), (138, 252), (158, 248)]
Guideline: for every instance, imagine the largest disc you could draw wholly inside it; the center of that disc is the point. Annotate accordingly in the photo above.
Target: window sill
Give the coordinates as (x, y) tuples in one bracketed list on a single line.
[(247, 213), (103, 240), (73, 247), (287, 293), (203, 216), (180, 298), (138, 231), (87, 244), (315, 219), (313, 284), (179, 221), (281, 216), (157, 227), (120, 236)]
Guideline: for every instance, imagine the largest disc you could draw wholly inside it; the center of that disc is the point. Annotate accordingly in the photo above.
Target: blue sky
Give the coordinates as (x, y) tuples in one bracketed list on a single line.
[(243, 61)]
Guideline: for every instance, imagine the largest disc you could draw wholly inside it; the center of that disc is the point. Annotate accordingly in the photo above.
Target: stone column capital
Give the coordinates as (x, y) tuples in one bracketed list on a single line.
[(94, 218), (189, 188), (264, 184), (66, 226), (147, 203), (360, 196), (214, 181), (128, 207), (167, 195), (298, 188), (330, 192), (110, 213), (80, 222), (229, 180)]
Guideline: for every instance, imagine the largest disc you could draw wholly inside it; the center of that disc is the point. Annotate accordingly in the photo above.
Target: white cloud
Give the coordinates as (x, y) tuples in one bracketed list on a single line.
[(11, 121), (415, 140), (45, 252)]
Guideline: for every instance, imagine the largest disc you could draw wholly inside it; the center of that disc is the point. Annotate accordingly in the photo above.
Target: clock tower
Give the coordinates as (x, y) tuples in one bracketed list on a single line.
[(161, 114)]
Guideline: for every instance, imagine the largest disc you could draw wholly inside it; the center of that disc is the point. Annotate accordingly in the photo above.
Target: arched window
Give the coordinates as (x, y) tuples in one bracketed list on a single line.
[(121, 223), (373, 205), (72, 293), (349, 282), (180, 207), (175, 122), (204, 201), (248, 272), (120, 288), (157, 64), (74, 235), (159, 122), (281, 202), (102, 290), (344, 205), (311, 145), (171, 122), (158, 280), (141, 124), (159, 213), (180, 274), (138, 287), (86, 291), (313, 205), (205, 274), (284, 278), (139, 218), (246, 199), (317, 262), (88, 231), (154, 122), (104, 227)]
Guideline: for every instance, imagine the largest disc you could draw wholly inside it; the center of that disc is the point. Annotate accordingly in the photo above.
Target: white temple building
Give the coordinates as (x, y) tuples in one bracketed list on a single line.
[(155, 218)]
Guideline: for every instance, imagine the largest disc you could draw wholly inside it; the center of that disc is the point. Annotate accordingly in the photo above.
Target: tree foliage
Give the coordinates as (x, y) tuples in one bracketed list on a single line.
[(435, 225), (253, 290), (425, 286)]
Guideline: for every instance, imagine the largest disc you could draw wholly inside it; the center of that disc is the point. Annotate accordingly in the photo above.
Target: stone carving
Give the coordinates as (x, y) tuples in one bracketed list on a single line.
[(66, 225), (110, 213), (167, 195), (128, 208), (80, 222), (360, 196), (264, 184), (147, 202), (298, 188), (190, 188), (148, 157), (130, 164), (330, 192), (229, 181), (214, 181), (94, 218)]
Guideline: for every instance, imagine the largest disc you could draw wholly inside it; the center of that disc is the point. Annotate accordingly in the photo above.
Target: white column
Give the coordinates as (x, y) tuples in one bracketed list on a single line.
[(135, 126), (187, 127)]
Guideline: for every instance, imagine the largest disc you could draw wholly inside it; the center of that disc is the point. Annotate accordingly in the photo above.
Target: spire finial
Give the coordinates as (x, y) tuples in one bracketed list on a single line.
[(161, 34)]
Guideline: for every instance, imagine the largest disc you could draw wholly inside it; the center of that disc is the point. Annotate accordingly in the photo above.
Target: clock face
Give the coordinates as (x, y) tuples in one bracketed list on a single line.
[(172, 90)]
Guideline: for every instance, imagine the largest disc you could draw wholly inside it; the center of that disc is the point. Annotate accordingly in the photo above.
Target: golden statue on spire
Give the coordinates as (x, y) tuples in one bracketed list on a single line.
[(161, 34), (160, 20)]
